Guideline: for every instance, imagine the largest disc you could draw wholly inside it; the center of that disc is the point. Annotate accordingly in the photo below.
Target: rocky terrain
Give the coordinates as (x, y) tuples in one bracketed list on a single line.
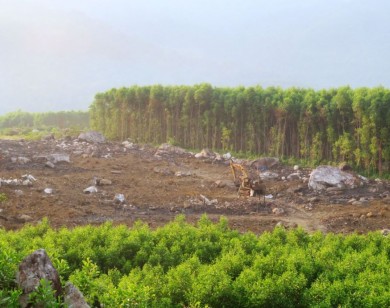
[(89, 181)]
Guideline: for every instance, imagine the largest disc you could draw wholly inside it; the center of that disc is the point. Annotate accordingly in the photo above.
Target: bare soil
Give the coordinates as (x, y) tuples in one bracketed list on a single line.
[(159, 187)]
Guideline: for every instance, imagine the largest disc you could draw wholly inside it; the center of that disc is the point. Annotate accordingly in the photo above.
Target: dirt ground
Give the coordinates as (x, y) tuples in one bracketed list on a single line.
[(158, 187)]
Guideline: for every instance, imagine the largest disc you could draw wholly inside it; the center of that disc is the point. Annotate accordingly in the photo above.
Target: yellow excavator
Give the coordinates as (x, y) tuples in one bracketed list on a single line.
[(247, 186)]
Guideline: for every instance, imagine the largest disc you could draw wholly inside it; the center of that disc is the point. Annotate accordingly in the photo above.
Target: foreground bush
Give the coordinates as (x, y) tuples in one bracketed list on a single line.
[(205, 265)]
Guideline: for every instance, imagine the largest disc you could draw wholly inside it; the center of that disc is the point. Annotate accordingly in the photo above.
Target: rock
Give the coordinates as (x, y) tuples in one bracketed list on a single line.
[(92, 136), (351, 201), (267, 175), (385, 232), (327, 176), (49, 164), (278, 211), (207, 201), (48, 137), (103, 182), (296, 168), (183, 173), (90, 190), (57, 158), (227, 156), (314, 199), (264, 163), (293, 176), (164, 171), (369, 214), (73, 298), (21, 160), (128, 145), (205, 153), (25, 218), (219, 184), (32, 269), (119, 199), (168, 149), (48, 191), (19, 192)]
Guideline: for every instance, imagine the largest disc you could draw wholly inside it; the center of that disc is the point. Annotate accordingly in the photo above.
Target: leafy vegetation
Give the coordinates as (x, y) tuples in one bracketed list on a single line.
[(343, 124), (207, 265)]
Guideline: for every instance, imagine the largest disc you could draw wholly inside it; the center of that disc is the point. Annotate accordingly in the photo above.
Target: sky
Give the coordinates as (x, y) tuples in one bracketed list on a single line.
[(56, 55)]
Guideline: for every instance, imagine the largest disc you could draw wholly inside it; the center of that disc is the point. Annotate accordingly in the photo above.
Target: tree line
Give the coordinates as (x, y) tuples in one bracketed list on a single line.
[(60, 119), (329, 125)]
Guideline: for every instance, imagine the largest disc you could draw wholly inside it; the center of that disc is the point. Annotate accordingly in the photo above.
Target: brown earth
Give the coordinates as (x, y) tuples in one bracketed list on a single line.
[(159, 187)]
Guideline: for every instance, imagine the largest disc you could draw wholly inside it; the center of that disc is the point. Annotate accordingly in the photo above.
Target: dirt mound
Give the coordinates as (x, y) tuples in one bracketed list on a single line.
[(156, 187)]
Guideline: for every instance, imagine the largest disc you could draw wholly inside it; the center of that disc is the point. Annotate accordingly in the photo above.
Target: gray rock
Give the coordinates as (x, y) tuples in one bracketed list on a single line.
[(90, 190), (25, 218), (278, 211), (92, 136), (327, 176), (168, 149), (268, 175), (73, 298), (33, 268), (103, 182), (57, 158), (50, 164), (205, 153), (294, 176), (264, 163)]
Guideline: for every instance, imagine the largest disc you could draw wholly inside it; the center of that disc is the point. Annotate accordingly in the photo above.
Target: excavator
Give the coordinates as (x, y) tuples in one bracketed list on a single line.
[(247, 186)]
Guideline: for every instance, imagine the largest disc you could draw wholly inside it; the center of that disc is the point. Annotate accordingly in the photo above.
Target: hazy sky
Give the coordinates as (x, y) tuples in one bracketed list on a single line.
[(57, 54)]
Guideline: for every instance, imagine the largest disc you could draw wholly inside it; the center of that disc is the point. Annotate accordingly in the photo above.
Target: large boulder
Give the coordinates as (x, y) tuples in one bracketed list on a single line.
[(33, 268), (324, 177), (92, 136), (73, 298), (264, 163)]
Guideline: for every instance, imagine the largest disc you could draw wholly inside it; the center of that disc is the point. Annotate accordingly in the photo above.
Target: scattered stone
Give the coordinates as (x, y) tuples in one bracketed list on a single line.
[(296, 168), (92, 136), (369, 214), (116, 171), (278, 211), (269, 196), (351, 201), (73, 298), (314, 199), (32, 269), (90, 190)]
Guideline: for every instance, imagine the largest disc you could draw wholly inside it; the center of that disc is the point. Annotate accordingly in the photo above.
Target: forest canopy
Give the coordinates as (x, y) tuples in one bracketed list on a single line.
[(332, 125)]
